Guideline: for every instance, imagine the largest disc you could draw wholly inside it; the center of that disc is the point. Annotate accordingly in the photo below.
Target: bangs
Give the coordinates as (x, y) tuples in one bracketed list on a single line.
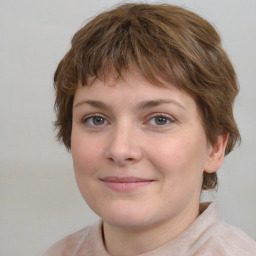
[(120, 48)]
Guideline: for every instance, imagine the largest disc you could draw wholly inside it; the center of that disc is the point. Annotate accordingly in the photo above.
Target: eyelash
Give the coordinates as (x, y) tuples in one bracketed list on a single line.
[(166, 117), (91, 117)]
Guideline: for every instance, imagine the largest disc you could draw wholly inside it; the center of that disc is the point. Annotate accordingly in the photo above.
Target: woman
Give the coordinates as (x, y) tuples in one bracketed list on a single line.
[(144, 102)]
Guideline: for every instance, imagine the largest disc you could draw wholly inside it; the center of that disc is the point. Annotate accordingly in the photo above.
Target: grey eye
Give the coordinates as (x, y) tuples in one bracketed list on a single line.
[(95, 121), (98, 120), (160, 120)]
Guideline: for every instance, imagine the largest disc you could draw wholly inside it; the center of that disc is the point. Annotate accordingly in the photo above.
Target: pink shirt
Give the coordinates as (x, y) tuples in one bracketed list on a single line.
[(206, 236)]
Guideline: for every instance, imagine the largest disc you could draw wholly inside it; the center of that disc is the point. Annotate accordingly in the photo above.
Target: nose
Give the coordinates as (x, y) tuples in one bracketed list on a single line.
[(124, 146)]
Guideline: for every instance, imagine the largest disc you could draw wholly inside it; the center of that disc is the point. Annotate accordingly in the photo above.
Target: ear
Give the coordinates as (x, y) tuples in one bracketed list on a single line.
[(216, 154)]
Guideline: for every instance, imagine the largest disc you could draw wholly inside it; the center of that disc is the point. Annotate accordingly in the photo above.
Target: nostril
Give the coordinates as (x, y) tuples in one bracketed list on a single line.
[(111, 159), (130, 159)]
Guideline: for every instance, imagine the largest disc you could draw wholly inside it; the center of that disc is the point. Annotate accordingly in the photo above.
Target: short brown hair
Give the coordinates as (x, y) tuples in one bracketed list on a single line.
[(163, 42)]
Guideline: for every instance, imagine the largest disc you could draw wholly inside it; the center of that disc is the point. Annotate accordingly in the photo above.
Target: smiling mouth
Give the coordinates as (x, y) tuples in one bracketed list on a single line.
[(125, 184)]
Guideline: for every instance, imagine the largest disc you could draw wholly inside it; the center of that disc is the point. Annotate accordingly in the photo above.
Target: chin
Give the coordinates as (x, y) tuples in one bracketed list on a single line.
[(126, 218)]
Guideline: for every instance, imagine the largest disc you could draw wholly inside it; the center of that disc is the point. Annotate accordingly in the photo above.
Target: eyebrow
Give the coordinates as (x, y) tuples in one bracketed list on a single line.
[(154, 103), (144, 105), (94, 103)]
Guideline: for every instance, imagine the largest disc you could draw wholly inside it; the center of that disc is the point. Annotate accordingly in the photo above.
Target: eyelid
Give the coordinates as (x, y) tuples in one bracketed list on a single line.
[(87, 117), (93, 115), (154, 115), (162, 115)]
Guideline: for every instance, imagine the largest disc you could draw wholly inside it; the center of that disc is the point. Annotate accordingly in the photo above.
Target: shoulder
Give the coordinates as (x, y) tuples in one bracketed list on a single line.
[(235, 238), (216, 237), (228, 240), (70, 244)]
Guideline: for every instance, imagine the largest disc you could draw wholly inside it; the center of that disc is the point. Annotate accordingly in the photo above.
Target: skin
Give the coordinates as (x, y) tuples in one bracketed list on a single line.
[(151, 139)]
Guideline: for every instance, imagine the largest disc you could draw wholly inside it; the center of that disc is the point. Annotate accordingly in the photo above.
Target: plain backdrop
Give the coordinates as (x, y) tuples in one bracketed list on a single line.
[(39, 200)]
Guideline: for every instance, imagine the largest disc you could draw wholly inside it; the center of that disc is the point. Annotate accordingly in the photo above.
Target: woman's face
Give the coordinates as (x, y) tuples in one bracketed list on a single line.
[(139, 151)]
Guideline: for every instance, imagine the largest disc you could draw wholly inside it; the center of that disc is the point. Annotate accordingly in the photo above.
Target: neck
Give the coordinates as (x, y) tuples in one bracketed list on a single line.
[(125, 241)]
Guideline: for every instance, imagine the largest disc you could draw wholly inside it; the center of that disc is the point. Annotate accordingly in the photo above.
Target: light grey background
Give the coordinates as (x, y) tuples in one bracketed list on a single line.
[(39, 201)]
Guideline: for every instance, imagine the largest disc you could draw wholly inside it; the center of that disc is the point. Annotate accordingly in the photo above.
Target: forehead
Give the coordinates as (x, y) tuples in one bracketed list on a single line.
[(132, 88), (132, 79)]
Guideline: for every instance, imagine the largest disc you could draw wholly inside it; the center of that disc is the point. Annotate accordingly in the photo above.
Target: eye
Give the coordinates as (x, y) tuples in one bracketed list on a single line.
[(160, 120), (95, 121)]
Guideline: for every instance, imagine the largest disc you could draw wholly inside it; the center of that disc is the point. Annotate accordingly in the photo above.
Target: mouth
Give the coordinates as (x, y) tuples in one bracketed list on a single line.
[(125, 184)]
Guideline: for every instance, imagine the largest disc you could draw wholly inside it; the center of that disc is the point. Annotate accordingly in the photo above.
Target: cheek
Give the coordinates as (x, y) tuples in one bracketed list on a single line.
[(86, 162), (181, 167), (179, 158), (169, 155), (85, 153)]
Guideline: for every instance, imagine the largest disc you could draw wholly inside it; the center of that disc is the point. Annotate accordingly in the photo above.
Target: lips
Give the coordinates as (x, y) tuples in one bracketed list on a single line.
[(125, 184)]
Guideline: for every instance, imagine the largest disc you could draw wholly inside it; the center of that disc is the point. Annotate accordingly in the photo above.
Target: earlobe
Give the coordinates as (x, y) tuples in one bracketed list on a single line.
[(216, 154)]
